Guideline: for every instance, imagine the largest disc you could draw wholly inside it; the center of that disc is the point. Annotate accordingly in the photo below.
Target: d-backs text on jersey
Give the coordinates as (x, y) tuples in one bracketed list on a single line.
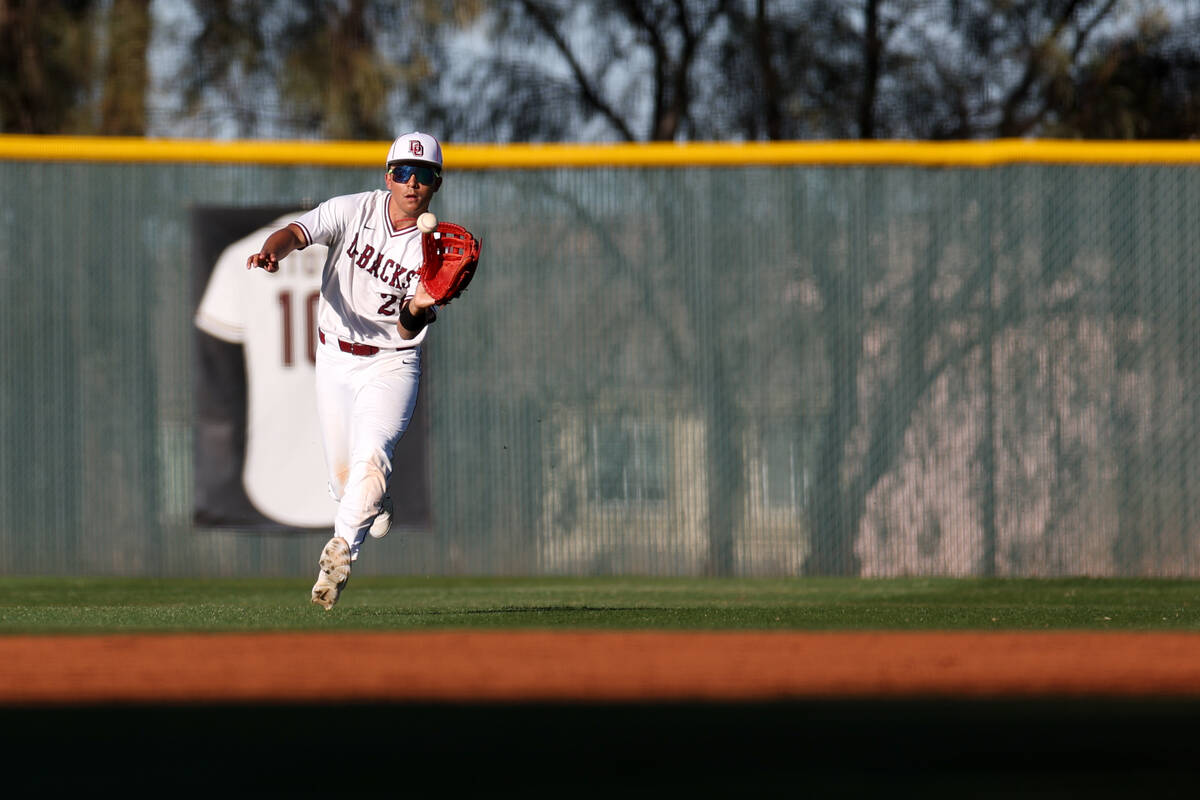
[(373, 263)]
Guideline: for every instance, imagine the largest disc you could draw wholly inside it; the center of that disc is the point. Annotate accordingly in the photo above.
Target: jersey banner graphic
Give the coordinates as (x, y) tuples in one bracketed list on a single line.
[(258, 462)]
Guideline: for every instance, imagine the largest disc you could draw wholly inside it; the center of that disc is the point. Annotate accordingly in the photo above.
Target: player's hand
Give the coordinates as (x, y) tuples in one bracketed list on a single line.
[(266, 261), (421, 299)]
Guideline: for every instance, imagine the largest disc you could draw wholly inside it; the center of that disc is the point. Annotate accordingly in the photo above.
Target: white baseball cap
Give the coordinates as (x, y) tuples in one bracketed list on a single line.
[(416, 146)]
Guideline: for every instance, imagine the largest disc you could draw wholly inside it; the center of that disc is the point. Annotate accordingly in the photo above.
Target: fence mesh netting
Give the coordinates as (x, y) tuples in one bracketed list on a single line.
[(682, 371)]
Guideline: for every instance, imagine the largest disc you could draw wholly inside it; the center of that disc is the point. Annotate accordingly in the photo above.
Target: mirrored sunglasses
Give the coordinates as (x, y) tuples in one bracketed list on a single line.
[(402, 172)]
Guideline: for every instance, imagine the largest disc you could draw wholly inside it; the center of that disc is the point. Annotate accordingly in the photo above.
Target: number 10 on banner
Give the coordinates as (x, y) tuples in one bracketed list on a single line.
[(287, 315)]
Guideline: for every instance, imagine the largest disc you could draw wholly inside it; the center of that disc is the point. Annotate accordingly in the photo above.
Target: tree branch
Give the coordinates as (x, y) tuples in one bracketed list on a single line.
[(1009, 124), (590, 94)]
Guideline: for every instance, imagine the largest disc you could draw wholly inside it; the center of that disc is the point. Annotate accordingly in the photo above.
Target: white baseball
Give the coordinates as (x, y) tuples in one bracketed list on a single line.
[(427, 222)]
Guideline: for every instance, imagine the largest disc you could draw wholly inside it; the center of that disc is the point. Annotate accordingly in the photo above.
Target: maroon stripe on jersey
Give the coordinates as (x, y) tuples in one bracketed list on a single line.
[(308, 239), (387, 220)]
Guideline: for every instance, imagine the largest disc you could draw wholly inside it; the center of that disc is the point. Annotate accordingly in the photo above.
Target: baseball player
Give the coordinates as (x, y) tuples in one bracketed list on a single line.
[(374, 313)]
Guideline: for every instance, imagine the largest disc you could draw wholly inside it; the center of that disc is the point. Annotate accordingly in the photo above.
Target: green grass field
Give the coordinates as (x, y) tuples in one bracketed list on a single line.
[(93, 605)]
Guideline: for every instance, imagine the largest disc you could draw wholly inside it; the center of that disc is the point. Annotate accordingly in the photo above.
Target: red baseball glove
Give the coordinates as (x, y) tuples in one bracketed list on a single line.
[(451, 257)]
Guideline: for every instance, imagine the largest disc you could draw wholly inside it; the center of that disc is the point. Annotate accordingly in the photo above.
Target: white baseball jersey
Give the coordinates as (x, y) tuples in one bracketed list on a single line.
[(371, 268), (273, 317)]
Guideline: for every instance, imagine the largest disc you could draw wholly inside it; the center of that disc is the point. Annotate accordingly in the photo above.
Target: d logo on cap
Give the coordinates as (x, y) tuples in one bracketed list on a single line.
[(416, 149)]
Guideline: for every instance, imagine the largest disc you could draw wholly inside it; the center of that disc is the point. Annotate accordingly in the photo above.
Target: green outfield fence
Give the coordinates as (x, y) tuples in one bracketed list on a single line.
[(715, 359)]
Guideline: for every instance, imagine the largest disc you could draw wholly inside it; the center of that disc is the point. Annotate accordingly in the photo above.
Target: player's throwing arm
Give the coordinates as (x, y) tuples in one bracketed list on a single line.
[(277, 246)]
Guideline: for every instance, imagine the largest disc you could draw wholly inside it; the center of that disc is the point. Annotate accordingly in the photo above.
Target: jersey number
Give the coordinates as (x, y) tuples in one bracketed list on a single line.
[(310, 326), (389, 305)]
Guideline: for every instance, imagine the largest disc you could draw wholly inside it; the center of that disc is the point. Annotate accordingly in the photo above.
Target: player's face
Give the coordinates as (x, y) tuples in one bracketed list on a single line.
[(413, 194)]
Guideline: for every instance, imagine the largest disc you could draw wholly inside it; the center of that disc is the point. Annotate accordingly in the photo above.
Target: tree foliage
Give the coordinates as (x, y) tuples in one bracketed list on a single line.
[(630, 70), (641, 70), (1144, 87), (126, 71), (46, 57), (74, 66)]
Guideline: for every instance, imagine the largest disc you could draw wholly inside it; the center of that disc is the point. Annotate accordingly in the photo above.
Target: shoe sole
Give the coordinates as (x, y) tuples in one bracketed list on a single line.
[(334, 574)]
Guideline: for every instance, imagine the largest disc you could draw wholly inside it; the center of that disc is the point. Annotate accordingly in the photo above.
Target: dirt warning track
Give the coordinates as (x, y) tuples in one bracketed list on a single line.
[(537, 666)]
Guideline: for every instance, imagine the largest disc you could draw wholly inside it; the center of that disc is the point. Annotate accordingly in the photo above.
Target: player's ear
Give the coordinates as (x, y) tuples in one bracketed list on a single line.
[(437, 184)]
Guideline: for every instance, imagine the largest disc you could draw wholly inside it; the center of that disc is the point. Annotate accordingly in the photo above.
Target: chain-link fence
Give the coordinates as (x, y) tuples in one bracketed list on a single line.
[(743, 370)]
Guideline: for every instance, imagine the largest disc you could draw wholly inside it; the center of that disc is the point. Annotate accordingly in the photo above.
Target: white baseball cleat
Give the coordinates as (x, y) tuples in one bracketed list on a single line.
[(383, 522), (335, 572)]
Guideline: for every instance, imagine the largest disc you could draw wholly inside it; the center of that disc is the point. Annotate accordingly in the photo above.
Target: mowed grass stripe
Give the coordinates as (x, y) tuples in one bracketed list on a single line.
[(101, 605)]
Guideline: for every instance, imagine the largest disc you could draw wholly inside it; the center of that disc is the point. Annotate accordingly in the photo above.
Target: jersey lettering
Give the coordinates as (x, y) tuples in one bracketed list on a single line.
[(400, 278), (374, 270), (365, 258), (352, 252)]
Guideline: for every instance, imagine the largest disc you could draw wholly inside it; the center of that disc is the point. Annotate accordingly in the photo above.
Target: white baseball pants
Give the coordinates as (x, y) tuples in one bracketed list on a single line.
[(364, 404)]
